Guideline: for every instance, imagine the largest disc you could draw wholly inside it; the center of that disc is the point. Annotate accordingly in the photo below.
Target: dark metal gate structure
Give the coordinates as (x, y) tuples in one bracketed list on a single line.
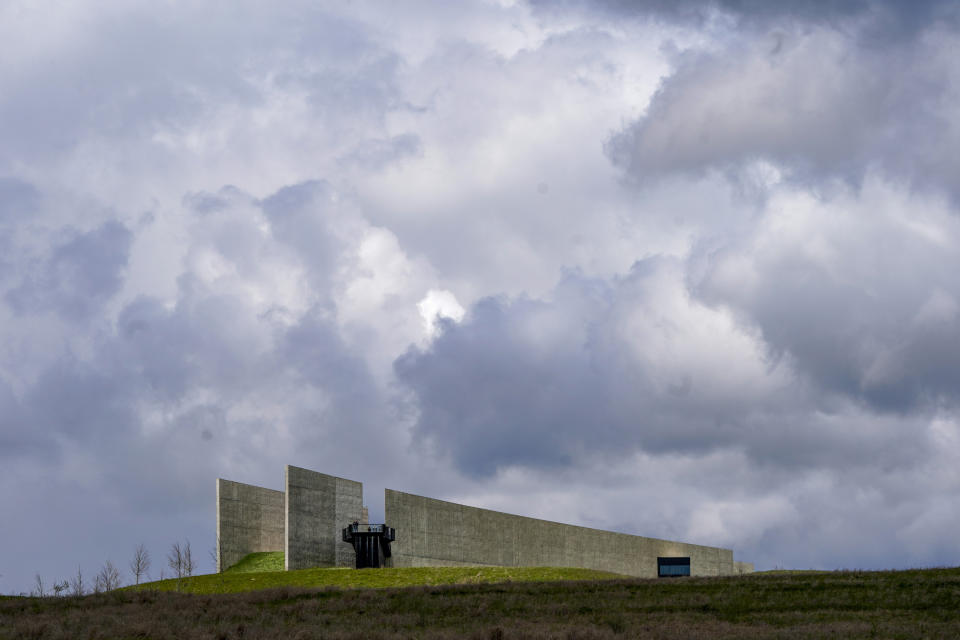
[(371, 542)]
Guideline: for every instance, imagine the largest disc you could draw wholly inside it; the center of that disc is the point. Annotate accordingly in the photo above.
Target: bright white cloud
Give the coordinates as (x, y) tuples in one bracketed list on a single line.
[(436, 306)]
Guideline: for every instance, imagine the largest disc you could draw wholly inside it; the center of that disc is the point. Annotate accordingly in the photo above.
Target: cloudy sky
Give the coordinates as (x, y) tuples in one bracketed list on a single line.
[(686, 270)]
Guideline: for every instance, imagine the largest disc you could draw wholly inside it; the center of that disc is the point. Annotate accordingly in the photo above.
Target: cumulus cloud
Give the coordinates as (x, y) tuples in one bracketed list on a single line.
[(858, 291), (676, 269), (881, 20), (810, 101), (634, 366), (80, 273)]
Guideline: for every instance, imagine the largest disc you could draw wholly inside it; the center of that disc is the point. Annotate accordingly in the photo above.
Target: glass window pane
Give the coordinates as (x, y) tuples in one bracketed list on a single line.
[(669, 567)]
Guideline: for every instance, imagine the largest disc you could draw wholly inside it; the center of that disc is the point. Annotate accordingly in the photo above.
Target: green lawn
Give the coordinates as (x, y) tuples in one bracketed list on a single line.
[(782, 572), (242, 577), (259, 562)]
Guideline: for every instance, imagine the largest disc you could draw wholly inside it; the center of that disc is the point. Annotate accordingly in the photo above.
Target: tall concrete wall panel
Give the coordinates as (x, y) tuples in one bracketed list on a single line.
[(437, 533), (318, 507), (249, 519)]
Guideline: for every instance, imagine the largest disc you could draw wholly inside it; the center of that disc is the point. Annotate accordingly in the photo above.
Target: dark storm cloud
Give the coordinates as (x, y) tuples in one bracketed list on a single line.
[(813, 104), (81, 273), (872, 314), (491, 398), (540, 384), (886, 19)]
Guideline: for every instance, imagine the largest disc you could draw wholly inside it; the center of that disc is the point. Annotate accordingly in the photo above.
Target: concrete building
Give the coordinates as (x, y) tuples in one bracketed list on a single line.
[(304, 520), (307, 522)]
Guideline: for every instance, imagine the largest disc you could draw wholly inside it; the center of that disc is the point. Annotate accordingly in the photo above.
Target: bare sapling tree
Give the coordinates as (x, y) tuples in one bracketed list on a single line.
[(188, 563), (38, 589), (140, 564), (175, 561), (59, 588), (77, 588), (107, 579)]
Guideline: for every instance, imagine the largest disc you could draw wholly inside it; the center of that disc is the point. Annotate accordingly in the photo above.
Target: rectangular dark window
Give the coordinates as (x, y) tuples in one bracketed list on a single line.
[(673, 567)]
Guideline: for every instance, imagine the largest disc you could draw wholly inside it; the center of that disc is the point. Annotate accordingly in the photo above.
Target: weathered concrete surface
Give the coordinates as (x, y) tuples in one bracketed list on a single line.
[(249, 519), (742, 568), (318, 507), (437, 533)]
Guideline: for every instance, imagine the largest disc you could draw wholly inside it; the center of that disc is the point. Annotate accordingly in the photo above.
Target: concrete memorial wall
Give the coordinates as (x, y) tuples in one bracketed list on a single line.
[(305, 522), (434, 533), (249, 519), (318, 507)]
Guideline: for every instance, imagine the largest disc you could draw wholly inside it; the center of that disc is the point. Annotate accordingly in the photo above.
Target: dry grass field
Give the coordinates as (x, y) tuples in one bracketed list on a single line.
[(886, 604)]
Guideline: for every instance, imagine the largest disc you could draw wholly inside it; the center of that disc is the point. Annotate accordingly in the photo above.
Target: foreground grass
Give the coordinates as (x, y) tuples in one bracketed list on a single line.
[(904, 604), (239, 581)]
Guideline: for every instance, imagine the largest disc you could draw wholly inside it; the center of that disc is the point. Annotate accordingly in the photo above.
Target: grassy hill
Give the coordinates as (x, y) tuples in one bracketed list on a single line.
[(260, 571), (883, 604)]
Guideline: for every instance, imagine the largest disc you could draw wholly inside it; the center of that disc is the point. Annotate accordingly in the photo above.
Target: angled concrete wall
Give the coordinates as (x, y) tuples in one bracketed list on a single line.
[(318, 507), (434, 533), (249, 519), (742, 568)]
